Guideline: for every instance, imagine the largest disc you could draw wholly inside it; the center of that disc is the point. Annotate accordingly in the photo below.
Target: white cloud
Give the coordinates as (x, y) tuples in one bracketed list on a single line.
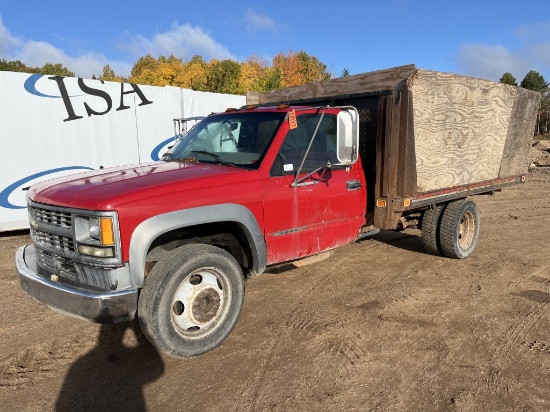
[(541, 53), (533, 32), (183, 41), (255, 22), (492, 61), (38, 53), (35, 53), (6, 40)]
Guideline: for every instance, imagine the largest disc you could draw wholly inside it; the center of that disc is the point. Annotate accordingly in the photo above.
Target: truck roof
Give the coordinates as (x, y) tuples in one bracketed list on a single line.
[(270, 108)]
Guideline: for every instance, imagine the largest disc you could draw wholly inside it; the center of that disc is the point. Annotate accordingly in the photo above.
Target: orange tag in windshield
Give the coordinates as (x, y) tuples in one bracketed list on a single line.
[(292, 123)]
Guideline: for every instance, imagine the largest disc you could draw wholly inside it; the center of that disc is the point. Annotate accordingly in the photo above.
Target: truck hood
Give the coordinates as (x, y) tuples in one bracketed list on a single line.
[(105, 189)]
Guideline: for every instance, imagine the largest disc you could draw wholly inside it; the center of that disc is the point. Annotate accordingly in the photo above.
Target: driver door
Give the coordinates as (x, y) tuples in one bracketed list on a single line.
[(324, 211)]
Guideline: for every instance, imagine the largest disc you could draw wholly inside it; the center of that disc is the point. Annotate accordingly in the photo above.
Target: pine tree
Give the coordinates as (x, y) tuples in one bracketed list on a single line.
[(508, 78), (534, 81)]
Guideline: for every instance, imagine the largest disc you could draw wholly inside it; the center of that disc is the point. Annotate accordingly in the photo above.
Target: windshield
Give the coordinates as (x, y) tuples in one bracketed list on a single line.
[(233, 139)]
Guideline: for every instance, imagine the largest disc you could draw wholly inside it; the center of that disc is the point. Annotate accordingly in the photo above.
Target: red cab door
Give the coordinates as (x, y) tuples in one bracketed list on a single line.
[(318, 212)]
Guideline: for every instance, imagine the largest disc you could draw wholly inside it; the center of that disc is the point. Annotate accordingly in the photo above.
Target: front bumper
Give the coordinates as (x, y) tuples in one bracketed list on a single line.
[(100, 307)]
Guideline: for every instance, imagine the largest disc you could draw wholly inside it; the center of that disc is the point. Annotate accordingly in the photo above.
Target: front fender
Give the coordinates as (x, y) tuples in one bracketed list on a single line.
[(148, 230)]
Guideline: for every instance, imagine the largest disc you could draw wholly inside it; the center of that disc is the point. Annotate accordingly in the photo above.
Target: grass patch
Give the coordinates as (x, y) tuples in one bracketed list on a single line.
[(542, 137)]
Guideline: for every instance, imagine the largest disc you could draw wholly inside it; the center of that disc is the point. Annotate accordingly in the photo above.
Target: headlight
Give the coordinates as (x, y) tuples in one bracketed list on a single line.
[(96, 251), (96, 236)]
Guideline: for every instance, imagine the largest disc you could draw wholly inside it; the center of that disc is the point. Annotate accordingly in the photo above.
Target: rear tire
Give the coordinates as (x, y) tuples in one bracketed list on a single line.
[(191, 300), (430, 230), (459, 229)]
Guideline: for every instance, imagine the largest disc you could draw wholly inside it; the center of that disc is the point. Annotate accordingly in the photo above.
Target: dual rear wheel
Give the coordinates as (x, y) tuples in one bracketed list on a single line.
[(451, 229)]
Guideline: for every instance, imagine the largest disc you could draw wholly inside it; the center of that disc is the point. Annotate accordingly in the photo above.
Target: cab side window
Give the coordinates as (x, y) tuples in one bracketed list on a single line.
[(294, 147)]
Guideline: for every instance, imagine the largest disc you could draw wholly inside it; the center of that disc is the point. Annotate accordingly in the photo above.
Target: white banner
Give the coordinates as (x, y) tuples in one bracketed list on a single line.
[(52, 126)]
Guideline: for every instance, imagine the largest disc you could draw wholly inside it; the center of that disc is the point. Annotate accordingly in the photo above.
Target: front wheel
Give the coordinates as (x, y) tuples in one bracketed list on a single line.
[(459, 229), (191, 300)]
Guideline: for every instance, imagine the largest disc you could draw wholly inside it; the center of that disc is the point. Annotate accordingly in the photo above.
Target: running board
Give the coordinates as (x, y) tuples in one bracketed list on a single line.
[(368, 231)]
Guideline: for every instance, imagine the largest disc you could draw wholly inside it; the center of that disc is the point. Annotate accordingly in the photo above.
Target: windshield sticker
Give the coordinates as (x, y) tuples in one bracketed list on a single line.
[(288, 167)]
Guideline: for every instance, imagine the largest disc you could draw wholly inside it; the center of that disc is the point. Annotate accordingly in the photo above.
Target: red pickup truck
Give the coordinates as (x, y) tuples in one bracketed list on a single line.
[(173, 241)]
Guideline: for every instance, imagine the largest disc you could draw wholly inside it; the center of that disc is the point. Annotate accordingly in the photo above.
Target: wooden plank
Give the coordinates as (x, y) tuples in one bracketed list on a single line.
[(517, 149), (384, 217), (406, 181), (460, 126), (370, 82), (381, 175)]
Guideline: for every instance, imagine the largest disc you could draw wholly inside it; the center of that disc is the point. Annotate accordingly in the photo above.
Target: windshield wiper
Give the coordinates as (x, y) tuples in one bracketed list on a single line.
[(215, 157), (169, 157)]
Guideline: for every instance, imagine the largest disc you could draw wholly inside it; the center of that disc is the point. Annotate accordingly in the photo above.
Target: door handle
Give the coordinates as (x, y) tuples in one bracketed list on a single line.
[(353, 184)]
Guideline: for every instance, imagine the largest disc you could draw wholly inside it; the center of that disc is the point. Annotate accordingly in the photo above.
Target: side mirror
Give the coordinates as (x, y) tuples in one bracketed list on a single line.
[(347, 135)]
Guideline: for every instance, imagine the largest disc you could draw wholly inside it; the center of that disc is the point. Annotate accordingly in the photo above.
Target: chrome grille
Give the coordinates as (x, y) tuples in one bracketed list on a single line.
[(55, 264), (47, 239), (58, 231), (51, 228), (54, 217)]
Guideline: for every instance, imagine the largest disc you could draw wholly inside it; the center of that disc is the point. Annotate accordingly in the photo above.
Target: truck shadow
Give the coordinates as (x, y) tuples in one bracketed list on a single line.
[(401, 240), (112, 375)]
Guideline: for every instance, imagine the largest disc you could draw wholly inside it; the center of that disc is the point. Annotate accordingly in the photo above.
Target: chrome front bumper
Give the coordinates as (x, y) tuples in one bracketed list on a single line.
[(100, 307)]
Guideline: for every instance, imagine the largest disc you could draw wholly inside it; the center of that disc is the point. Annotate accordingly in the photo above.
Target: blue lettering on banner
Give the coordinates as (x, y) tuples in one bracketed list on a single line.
[(5, 194), (155, 154), (30, 87)]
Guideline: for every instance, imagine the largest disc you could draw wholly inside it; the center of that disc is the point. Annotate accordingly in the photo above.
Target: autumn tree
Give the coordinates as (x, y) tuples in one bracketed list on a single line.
[(193, 75), (49, 68), (56, 70), (508, 78), (143, 70), (16, 66), (169, 70), (225, 77), (299, 68), (110, 76), (271, 80), (288, 67), (252, 73), (312, 68)]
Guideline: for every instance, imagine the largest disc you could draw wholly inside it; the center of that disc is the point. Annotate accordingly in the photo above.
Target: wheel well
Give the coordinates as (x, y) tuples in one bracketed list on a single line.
[(228, 236)]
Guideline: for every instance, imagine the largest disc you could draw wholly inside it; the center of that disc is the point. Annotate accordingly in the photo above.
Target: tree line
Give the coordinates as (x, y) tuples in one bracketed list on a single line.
[(216, 76)]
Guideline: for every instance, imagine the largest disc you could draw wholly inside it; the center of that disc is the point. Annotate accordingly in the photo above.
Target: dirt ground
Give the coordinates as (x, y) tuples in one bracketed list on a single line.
[(380, 325)]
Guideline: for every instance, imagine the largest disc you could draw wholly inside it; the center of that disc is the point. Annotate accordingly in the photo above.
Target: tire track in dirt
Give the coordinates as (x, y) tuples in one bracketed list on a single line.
[(324, 341), (321, 340), (514, 344), (527, 316)]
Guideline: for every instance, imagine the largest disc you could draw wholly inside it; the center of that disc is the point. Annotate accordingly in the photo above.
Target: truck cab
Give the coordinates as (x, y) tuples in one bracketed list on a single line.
[(173, 241)]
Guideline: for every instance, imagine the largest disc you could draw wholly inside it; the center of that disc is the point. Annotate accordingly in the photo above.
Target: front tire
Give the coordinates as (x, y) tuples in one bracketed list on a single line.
[(459, 229), (191, 300)]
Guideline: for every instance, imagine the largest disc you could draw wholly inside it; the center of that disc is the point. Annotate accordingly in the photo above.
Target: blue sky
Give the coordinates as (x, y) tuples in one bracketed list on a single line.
[(477, 38)]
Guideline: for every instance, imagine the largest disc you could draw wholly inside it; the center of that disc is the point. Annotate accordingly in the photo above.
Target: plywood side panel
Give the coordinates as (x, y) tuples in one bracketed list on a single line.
[(460, 127), (517, 149), (381, 80)]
